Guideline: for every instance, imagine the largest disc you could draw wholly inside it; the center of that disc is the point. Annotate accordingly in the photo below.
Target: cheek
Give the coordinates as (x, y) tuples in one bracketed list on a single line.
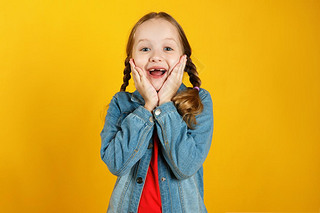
[(138, 59), (174, 61), (139, 62)]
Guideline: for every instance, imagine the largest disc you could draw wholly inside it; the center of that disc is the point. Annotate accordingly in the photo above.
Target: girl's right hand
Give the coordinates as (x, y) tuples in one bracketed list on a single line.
[(144, 87)]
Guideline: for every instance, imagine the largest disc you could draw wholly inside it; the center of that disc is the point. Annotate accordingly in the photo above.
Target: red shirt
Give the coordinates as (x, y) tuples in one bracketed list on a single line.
[(150, 200)]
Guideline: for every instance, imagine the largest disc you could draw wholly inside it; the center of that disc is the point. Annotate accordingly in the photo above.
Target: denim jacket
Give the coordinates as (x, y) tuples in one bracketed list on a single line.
[(127, 146)]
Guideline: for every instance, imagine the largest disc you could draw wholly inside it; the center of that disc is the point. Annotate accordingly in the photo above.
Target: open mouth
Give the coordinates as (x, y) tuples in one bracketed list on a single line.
[(157, 72)]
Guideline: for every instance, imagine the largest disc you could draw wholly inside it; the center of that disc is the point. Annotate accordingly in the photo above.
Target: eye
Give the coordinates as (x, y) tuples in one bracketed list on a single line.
[(144, 49), (168, 48)]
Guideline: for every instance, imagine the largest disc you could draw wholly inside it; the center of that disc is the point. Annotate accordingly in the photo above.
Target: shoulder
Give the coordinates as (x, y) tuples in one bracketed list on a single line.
[(133, 97), (124, 101), (120, 99), (204, 94), (122, 96)]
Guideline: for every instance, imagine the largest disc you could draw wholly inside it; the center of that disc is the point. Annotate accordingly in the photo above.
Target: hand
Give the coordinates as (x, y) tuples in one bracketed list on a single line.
[(173, 81), (144, 87)]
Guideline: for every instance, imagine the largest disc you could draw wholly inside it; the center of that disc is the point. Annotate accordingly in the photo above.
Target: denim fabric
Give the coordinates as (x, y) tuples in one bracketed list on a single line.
[(127, 149)]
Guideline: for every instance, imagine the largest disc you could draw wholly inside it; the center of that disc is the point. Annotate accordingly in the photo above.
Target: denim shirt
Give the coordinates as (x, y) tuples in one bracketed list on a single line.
[(127, 145)]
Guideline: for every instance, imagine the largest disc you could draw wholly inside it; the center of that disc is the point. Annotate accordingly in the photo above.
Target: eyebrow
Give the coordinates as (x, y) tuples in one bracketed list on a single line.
[(144, 39)]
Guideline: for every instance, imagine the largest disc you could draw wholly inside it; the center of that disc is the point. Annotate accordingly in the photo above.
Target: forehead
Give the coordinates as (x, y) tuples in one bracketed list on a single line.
[(156, 29)]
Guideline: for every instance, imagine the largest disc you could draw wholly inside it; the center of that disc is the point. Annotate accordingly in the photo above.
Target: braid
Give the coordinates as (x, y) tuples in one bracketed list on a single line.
[(126, 73), (188, 102), (193, 74)]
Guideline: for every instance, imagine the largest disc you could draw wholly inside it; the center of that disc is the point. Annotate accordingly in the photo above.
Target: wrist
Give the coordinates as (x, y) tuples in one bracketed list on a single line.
[(164, 101), (149, 107)]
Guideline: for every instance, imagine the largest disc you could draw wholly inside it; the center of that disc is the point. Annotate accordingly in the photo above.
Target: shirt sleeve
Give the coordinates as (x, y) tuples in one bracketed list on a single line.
[(185, 150), (125, 137)]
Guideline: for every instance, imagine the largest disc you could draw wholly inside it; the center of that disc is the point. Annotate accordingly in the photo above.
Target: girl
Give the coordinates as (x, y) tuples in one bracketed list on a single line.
[(156, 139)]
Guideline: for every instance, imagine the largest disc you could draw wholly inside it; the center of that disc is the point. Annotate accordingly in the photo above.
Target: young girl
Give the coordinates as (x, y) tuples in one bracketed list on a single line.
[(156, 139)]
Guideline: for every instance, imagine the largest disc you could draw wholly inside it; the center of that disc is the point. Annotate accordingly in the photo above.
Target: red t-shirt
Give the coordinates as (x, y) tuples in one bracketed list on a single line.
[(150, 200)]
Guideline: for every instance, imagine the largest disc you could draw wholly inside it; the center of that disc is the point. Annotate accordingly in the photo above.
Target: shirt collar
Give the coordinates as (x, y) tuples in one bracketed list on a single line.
[(136, 97)]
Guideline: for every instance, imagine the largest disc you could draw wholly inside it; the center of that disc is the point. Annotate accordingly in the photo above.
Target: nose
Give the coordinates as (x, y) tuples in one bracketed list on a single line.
[(156, 57)]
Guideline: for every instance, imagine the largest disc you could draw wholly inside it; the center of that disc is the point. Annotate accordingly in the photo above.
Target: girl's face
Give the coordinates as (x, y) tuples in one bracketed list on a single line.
[(156, 50)]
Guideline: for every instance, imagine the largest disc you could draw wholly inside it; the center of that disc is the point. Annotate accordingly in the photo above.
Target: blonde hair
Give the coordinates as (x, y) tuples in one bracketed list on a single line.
[(187, 102)]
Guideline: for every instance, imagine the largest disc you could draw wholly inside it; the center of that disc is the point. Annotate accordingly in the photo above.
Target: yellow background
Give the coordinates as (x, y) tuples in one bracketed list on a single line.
[(62, 61)]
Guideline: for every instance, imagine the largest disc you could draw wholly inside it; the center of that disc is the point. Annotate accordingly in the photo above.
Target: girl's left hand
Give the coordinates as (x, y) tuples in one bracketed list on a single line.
[(173, 82)]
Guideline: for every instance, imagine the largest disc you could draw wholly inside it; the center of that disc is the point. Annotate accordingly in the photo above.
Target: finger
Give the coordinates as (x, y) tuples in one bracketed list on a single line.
[(131, 63), (182, 67), (134, 68), (174, 67), (139, 70), (135, 74), (177, 69), (135, 77), (182, 62)]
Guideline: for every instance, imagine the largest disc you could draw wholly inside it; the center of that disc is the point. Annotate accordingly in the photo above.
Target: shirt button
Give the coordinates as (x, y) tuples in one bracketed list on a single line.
[(139, 180), (157, 112), (163, 179), (151, 119)]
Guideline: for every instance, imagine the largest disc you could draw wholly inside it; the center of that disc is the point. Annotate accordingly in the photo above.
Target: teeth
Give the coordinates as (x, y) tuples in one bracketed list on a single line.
[(163, 70)]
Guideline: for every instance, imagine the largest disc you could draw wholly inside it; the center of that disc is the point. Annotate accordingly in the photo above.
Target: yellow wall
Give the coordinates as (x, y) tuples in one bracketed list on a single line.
[(61, 62)]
